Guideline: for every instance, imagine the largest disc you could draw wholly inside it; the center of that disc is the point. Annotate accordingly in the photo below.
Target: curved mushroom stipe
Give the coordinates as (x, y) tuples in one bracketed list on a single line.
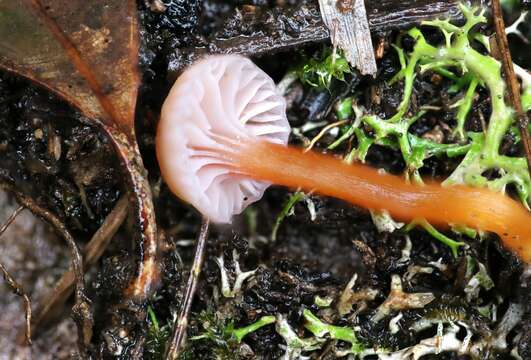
[(221, 142), (220, 97), (361, 185)]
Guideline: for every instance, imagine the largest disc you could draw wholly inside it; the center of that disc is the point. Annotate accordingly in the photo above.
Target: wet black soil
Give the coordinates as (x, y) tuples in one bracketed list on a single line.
[(51, 153)]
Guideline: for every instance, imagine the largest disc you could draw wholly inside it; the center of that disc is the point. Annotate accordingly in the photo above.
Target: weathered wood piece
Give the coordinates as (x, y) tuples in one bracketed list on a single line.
[(255, 32), (348, 25)]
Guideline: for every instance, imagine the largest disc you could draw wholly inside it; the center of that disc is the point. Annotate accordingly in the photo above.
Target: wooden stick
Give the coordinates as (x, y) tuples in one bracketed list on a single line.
[(510, 77), (181, 324)]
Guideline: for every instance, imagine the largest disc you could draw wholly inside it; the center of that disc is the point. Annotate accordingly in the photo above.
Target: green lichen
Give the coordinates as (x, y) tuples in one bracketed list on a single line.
[(321, 329), (295, 346), (484, 153), (323, 302), (452, 244), (468, 69), (287, 210), (240, 333), (344, 109), (482, 150)]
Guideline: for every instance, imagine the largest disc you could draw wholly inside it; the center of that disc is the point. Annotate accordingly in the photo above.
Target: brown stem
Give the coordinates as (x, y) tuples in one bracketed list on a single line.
[(510, 76), (13, 284), (181, 324), (54, 301), (81, 309), (361, 185)]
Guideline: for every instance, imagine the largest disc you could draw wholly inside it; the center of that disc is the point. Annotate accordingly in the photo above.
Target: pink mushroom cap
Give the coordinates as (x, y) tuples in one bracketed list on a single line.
[(220, 97)]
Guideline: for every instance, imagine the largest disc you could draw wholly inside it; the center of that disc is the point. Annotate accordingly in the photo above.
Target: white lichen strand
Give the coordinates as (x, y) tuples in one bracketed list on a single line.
[(442, 342), (511, 318), (227, 290), (513, 28), (349, 298), (295, 346), (394, 327), (384, 222), (399, 300)]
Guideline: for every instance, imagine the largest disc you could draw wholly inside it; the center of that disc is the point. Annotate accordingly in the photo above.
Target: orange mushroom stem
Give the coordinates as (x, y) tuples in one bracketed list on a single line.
[(221, 142), (364, 186)]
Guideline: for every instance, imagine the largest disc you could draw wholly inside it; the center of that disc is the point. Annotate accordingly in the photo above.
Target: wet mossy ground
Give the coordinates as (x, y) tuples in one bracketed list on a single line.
[(50, 152)]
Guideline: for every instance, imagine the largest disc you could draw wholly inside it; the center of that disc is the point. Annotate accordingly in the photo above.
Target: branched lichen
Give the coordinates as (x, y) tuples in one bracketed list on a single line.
[(477, 278), (452, 244), (226, 289), (295, 346), (288, 210), (321, 329), (225, 338), (482, 165), (349, 297), (484, 153), (242, 332), (444, 341), (399, 300)]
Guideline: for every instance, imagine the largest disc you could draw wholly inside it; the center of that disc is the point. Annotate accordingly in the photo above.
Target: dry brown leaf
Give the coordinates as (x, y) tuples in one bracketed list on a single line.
[(87, 53)]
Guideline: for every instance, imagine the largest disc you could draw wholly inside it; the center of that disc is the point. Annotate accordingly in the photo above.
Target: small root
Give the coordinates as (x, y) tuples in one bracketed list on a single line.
[(54, 301), (82, 316), (13, 284)]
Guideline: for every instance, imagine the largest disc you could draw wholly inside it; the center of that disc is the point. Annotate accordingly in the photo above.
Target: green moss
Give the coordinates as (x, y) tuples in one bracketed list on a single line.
[(157, 336), (319, 72), (223, 338)]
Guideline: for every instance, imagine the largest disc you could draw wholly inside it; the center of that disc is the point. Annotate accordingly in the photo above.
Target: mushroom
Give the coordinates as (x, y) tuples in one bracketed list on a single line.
[(221, 142), (214, 102)]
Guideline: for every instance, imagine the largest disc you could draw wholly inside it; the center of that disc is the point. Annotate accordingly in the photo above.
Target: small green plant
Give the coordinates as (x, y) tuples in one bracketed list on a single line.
[(157, 336), (319, 72), (286, 211), (224, 337)]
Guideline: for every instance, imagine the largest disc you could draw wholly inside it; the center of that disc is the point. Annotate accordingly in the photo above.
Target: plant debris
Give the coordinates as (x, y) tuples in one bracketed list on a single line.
[(297, 275)]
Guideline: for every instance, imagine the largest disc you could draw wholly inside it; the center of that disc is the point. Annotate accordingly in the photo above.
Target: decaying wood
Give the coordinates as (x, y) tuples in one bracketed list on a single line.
[(53, 303), (347, 22), (14, 285), (296, 27), (510, 77)]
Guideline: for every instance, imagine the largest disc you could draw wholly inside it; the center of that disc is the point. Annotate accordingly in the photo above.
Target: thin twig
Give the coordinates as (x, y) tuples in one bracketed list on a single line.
[(179, 331), (510, 76), (55, 300), (323, 132), (81, 309), (13, 284)]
